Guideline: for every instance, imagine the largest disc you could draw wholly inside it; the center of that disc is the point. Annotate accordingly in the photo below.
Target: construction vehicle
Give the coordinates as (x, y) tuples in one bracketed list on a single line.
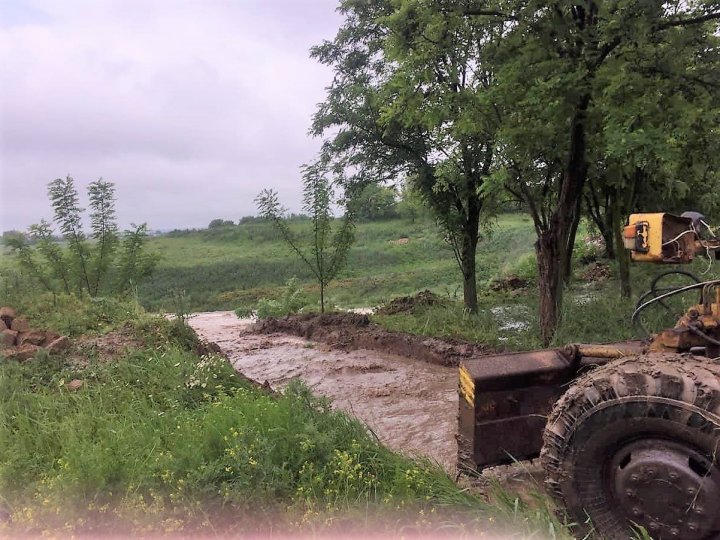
[(628, 433)]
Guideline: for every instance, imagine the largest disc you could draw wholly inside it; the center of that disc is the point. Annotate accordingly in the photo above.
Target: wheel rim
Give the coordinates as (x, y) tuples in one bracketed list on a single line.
[(666, 487)]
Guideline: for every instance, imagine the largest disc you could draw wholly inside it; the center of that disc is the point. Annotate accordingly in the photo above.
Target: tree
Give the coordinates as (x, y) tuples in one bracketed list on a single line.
[(326, 252), (410, 206), (408, 100), (105, 263), (218, 223), (376, 202), (558, 69)]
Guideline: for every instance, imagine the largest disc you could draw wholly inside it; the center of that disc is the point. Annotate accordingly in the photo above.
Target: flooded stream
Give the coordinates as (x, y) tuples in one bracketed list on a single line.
[(410, 405)]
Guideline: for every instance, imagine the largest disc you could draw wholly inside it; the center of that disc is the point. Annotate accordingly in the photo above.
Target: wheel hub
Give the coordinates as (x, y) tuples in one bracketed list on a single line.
[(667, 487)]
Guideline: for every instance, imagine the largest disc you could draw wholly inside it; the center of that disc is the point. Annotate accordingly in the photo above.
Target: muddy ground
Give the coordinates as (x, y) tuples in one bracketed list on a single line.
[(404, 388)]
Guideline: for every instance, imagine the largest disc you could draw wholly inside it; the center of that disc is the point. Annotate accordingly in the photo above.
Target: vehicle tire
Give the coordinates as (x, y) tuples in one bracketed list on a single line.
[(636, 442)]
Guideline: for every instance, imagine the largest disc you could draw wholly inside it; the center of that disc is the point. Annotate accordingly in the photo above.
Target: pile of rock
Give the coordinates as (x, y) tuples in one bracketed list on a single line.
[(20, 342)]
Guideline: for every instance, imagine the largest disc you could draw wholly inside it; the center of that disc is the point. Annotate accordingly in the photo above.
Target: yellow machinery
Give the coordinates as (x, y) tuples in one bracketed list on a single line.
[(628, 433)]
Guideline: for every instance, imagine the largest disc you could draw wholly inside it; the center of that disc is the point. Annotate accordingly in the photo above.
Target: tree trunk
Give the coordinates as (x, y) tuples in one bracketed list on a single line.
[(623, 259), (469, 281), (468, 252), (552, 247), (322, 297), (571, 241), (621, 206), (550, 269)]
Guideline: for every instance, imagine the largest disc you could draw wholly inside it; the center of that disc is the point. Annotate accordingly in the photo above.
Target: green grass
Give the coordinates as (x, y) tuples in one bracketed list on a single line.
[(160, 441), (235, 266)]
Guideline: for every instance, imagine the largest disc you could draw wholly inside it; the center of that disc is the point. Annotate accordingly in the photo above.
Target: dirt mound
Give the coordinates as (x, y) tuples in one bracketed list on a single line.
[(18, 341), (408, 304), (350, 331), (509, 283), (596, 272)]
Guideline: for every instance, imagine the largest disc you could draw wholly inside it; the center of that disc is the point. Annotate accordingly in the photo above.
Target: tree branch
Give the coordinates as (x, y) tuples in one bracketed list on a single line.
[(687, 22)]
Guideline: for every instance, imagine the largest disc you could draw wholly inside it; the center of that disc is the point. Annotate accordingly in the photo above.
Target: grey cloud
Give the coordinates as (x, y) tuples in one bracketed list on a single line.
[(189, 107)]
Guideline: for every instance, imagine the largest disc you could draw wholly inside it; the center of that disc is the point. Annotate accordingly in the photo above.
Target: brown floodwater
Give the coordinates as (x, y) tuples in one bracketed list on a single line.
[(410, 405)]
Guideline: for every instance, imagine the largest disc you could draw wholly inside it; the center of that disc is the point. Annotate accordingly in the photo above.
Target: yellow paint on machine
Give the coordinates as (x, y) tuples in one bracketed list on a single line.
[(467, 386), (654, 239)]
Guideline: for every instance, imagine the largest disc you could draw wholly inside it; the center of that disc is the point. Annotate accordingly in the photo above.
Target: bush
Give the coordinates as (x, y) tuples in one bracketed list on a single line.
[(292, 301)]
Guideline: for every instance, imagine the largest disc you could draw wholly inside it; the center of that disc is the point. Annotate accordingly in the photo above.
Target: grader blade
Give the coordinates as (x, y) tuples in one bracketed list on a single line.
[(505, 399)]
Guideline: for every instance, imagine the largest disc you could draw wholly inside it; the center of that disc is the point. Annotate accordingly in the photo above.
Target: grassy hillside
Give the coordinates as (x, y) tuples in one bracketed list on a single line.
[(224, 268)]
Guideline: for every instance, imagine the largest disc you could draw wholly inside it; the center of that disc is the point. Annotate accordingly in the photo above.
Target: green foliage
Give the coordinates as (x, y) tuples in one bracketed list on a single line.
[(160, 440), (407, 102), (107, 263), (291, 301), (239, 266), (410, 206), (218, 223), (474, 102), (377, 202), (327, 252), (71, 315)]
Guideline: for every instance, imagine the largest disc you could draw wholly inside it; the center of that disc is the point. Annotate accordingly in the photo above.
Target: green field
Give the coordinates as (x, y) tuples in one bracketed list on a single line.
[(234, 267), (222, 268)]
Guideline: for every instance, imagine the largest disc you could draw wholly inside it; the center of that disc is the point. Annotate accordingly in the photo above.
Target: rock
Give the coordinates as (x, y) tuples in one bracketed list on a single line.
[(58, 345), (50, 337), (75, 385), (7, 314), (8, 338), (22, 353), (35, 337), (20, 325)]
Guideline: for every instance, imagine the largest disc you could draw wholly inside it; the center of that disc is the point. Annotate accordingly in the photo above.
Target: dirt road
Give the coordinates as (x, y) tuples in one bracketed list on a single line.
[(409, 404)]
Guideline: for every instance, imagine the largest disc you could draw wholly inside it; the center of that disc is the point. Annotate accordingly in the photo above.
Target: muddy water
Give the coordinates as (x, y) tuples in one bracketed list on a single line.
[(410, 405)]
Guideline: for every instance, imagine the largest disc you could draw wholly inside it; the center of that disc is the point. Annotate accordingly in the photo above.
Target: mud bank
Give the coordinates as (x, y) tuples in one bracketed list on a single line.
[(351, 331)]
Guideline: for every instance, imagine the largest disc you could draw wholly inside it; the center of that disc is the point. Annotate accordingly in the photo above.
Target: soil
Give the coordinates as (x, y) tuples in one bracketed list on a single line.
[(352, 331), (509, 283), (410, 304), (596, 272), (404, 388)]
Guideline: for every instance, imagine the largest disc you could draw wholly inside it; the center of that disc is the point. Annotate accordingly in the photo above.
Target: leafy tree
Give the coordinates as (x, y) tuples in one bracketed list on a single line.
[(217, 223), (104, 229), (106, 262), (66, 205), (377, 202), (559, 71), (410, 206), (325, 252), (407, 100)]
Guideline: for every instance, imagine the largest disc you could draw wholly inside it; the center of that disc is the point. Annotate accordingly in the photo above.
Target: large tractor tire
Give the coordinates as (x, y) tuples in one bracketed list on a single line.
[(636, 443)]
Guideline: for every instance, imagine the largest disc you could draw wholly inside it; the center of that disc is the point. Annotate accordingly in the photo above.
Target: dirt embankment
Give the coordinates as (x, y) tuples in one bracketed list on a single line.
[(350, 331)]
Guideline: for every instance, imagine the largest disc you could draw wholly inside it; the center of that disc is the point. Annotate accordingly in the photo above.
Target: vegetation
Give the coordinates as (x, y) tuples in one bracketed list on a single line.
[(157, 440), (106, 263), (327, 252), (387, 118), (477, 102)]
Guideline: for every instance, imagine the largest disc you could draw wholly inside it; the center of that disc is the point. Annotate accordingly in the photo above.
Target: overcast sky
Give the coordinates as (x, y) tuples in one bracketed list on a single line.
[(190, 108)]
